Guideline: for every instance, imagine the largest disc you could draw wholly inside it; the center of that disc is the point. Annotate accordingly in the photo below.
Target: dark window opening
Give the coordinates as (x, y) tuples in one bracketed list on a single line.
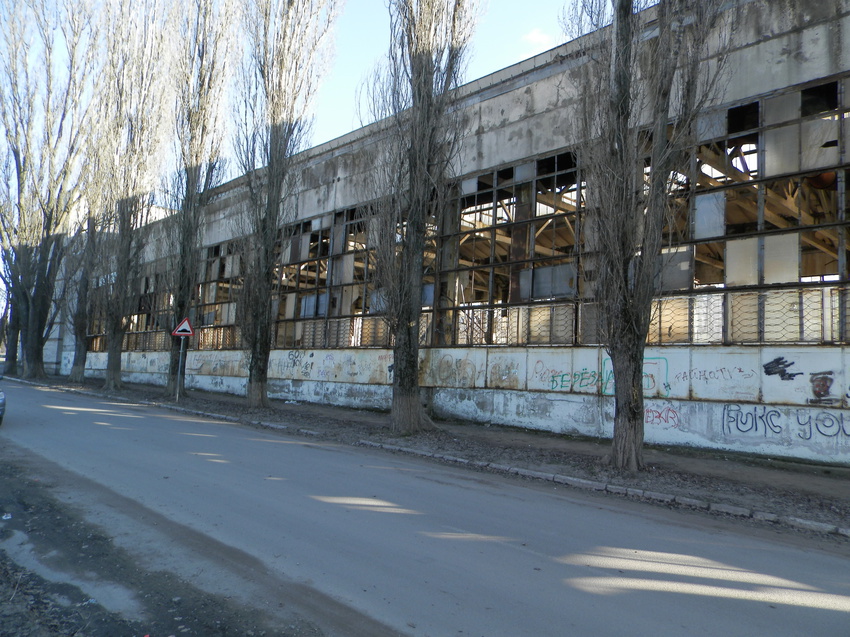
[(742, 118), (546, 166), (819, 99), (505, 175), (549, 165)]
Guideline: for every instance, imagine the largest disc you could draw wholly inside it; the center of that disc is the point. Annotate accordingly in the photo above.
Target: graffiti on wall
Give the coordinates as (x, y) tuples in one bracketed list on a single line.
[(764, 421), (667, 417), (296, 363), (214, 365), (820, 383), (327, 366), (826, 424), (457, 372), (779, 367), (584, 379), (655, 377), (588, 379), (504, 375), (714, 374), (752, 419)]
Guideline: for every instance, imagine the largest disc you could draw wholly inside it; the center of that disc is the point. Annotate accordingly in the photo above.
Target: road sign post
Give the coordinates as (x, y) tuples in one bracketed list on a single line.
[(183, 330)]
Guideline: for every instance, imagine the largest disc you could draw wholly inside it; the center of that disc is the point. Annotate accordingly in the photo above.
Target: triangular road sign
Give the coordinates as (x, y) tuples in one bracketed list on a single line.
[(184, 329)]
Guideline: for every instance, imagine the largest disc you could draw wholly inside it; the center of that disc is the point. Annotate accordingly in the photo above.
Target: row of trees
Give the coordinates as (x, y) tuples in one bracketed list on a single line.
[(95, 94), (115, 115)]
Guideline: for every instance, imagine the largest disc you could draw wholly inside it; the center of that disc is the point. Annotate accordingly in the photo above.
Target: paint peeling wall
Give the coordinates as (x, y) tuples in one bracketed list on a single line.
[(790, 402)]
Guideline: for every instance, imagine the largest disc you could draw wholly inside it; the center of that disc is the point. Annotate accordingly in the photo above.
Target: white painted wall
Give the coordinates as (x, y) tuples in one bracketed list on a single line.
[(789, 402)]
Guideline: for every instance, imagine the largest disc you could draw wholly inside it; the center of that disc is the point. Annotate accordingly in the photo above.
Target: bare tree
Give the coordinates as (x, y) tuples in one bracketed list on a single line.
[(79, 269), (132, 113), (284, 43), (647, 77), (411, 178), (200, 75), (47, 67)]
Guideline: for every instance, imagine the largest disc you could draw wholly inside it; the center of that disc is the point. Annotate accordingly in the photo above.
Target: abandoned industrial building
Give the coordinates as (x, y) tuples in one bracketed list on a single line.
[(748, 343)]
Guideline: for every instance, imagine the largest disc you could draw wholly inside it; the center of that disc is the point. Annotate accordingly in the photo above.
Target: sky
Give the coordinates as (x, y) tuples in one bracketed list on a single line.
[(507, 32)]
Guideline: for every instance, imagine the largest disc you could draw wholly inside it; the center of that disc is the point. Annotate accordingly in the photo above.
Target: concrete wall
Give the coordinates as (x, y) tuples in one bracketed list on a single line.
[(790, 401)]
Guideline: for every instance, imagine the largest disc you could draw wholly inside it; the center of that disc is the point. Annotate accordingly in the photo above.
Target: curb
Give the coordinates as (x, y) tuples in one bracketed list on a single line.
[(650, 496)]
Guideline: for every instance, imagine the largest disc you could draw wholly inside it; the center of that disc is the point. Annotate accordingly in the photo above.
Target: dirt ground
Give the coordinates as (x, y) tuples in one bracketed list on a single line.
[(792, 497)]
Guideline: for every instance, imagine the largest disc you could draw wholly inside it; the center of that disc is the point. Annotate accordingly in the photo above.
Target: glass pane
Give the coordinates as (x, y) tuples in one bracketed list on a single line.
[(820, 142), (780, 259), (742, 262), (711, 125), (782, 150), (709, 215), (563, 324), (676, 269), (781, 109), (590, 329)]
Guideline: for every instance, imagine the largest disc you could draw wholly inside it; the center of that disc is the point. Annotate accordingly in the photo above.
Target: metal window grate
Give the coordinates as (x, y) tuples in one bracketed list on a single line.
[(743, 318), (223, 337)]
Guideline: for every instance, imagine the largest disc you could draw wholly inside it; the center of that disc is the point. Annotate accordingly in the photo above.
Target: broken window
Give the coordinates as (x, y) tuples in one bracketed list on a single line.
[(819, 99), (802, 201), (709, 265), (741, 209), (819, 142), (742, 118)]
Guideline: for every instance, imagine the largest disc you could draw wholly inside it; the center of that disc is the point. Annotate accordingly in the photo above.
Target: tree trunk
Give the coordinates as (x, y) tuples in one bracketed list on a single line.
[(114, 347), (78, 369), (257, 391), (33, 356), (260, 350), (407, 413), (81, 324), (627, 447), (12, 337)]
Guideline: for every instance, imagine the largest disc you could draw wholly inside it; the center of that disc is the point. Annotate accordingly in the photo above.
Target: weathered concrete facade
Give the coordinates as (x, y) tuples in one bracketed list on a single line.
[(748, 346)]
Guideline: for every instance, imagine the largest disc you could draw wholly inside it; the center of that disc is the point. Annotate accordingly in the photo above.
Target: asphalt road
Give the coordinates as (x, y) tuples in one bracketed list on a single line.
[(370, 543)]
